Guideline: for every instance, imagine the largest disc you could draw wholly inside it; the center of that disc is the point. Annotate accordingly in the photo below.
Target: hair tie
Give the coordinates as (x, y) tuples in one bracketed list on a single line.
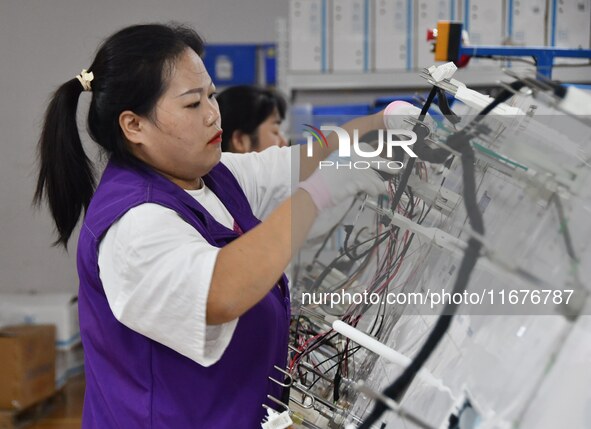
[(85, 78)]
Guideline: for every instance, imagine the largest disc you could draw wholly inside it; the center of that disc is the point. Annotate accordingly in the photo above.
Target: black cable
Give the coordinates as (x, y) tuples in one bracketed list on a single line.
[(353, 253), (332, 230), (501, 98), (398, 258), (361, 309), (471, 254), (410, 206), (445, 109), (385, 274), (334, 357), (460, 141), (411, 161), (323, 339), (440, 155), (325, 241), (348, 352), (379, 239)]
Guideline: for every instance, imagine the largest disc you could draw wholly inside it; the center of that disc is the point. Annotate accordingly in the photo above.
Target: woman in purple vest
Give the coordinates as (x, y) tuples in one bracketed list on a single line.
[(184, 310)]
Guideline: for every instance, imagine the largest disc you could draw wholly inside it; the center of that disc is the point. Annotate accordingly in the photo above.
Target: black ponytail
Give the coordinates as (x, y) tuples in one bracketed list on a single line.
[(131, 71), (66, 176)]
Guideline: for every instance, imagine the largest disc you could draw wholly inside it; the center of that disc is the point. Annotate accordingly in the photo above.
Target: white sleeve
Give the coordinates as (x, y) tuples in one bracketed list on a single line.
[(156, 271), (267, 178)]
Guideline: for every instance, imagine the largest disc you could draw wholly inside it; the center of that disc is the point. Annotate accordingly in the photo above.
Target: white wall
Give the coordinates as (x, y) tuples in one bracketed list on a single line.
[(43, 43)]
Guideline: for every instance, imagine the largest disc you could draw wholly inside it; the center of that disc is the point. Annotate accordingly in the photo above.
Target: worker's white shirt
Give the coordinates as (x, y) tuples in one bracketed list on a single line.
[(156, 269)]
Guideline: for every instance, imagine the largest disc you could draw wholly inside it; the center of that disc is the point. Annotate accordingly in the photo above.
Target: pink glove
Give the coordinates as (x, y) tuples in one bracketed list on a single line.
[(397, 111)]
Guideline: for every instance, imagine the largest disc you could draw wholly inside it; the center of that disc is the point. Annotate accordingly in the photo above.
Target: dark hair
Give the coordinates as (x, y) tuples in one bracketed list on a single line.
[(244, 108), (131, 70)]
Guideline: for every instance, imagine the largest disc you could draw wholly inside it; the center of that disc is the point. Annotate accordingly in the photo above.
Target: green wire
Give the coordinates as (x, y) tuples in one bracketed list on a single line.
[(495, 155)]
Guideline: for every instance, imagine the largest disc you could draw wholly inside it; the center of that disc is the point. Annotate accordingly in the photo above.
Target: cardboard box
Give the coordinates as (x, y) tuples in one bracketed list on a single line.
[(27, 373), (59, 309), (393, 34)]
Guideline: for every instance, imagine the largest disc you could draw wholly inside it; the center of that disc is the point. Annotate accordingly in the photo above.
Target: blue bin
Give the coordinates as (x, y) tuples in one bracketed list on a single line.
[(270, 62), (231, 65)]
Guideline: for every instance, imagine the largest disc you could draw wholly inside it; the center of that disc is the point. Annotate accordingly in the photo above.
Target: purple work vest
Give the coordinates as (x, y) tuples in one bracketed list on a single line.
[(133, 382)]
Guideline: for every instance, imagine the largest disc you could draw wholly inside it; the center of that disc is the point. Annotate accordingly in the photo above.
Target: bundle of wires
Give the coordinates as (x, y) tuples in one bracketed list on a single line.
[(459, 141), (390, 257)]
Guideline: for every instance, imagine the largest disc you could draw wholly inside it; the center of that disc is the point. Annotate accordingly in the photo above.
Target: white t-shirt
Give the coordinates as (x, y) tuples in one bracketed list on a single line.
[(156, 269)]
